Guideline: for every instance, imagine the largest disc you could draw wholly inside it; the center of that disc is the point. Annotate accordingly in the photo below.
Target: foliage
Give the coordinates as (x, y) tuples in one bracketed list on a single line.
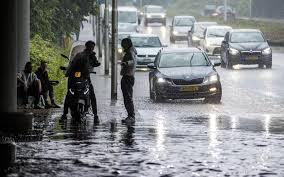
[(46, 50), (51, 19)]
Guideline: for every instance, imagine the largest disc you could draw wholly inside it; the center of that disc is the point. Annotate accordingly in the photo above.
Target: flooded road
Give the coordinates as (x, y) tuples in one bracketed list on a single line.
[(242, 136)]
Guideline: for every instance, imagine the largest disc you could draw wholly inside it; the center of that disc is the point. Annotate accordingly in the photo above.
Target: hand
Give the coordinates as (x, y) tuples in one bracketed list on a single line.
[(123, 64)]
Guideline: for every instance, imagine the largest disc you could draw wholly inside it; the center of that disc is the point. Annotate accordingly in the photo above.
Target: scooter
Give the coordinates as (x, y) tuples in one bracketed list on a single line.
[(79, 93)]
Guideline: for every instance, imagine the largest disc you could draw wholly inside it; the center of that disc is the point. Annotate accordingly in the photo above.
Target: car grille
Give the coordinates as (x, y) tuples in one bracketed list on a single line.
[(246, 54), (188, 82), (143, 56)]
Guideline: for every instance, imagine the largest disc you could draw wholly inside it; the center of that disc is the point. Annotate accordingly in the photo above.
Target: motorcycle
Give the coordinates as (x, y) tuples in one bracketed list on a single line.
[(79, 93)]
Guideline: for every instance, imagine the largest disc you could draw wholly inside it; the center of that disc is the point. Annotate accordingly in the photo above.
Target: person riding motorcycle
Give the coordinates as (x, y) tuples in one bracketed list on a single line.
[(83, 62)]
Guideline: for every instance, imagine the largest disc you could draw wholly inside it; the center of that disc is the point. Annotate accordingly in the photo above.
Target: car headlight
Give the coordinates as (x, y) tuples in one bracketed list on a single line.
[(175, 32), (194, 38), (148, 16), (141, 13), (120, 50), (233, 51), (163, 15), (267, 51), (161, 80), (213, 78)]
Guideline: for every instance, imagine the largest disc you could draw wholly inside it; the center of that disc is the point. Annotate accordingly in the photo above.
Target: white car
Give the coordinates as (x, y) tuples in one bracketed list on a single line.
[(180, 27), (147, 47), (197, 32), (214, 35), (154, 14)]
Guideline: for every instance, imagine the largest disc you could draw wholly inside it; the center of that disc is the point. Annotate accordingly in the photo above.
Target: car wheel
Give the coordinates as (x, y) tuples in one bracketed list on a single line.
[(145, 23), (151, 92), (268, 66), (260, 65), (157, 98), (228, 63), (216, 99)]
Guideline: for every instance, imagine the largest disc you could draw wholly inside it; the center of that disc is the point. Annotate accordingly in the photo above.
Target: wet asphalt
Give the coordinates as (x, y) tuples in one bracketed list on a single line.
[(242, 136)]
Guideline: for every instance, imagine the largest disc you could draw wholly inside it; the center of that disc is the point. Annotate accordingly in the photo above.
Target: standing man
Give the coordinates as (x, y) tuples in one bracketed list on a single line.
[(128, 67), (84, 62), (47, 85)]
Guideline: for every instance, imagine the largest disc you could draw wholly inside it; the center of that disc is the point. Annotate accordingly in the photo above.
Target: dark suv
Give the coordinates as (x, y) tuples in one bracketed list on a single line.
[(245, 46)]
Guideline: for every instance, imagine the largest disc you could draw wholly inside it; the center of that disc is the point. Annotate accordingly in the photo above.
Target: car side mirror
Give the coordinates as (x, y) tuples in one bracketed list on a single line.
[(224, 42), (216, 63), (268, 40), (152, 66), (164, 45)]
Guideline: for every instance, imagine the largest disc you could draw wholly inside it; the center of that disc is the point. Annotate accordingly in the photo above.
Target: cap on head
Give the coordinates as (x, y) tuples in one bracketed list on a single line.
[(43, 62), (126, 43), (90, 44)]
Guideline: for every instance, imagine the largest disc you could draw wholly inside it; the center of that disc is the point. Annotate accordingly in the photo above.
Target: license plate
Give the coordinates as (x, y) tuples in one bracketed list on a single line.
[(252, 57), (147, 60), (189, 88)]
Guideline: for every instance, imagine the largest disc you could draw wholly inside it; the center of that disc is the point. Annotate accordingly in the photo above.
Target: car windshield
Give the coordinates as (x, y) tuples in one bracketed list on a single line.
[(244, 37), (200, 28), (217, 32), (127, 17), (154, 10), (186, 59), (146, 41), (184, 21)]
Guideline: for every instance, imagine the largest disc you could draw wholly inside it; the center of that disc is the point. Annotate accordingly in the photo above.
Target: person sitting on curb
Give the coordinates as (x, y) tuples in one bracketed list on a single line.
[(29, 85), (47, 85)]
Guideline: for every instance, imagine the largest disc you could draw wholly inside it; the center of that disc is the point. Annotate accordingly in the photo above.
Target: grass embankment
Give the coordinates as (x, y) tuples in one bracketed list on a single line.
[(45, 50), (274, 31)]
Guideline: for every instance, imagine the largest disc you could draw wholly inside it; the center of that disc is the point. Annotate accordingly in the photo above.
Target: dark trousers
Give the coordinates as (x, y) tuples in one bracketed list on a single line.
[(50, 93), (33, 90), (68, 99), (127, 83)]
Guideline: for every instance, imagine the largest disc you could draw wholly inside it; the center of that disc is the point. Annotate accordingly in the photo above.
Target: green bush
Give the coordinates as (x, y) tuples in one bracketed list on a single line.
[(46, 50)]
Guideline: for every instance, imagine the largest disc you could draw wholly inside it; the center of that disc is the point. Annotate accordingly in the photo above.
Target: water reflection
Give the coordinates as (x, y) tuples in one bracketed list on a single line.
[(149, 30), (160, 127), (267, 121), (128, 136)]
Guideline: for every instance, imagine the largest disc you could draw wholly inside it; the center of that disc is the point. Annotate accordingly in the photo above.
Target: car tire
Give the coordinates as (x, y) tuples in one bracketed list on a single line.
[(145, 22), (268, 66), (151, 92), (157, 98), (216, 99), (260, 65), (228, 62)]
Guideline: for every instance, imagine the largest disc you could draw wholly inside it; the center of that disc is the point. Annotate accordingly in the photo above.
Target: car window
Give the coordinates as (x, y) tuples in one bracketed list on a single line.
[(154, 10), (127, 17), (184, 22), (146, 42), (186, 59), (244, 37), (217, 32), (199, 28)]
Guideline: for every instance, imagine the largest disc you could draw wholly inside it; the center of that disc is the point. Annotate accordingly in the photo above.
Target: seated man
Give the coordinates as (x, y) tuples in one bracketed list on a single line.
[(28, 85), (47, 85)]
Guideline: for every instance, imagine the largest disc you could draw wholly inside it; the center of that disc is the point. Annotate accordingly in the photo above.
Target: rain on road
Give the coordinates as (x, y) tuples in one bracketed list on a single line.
[(241, 136)]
